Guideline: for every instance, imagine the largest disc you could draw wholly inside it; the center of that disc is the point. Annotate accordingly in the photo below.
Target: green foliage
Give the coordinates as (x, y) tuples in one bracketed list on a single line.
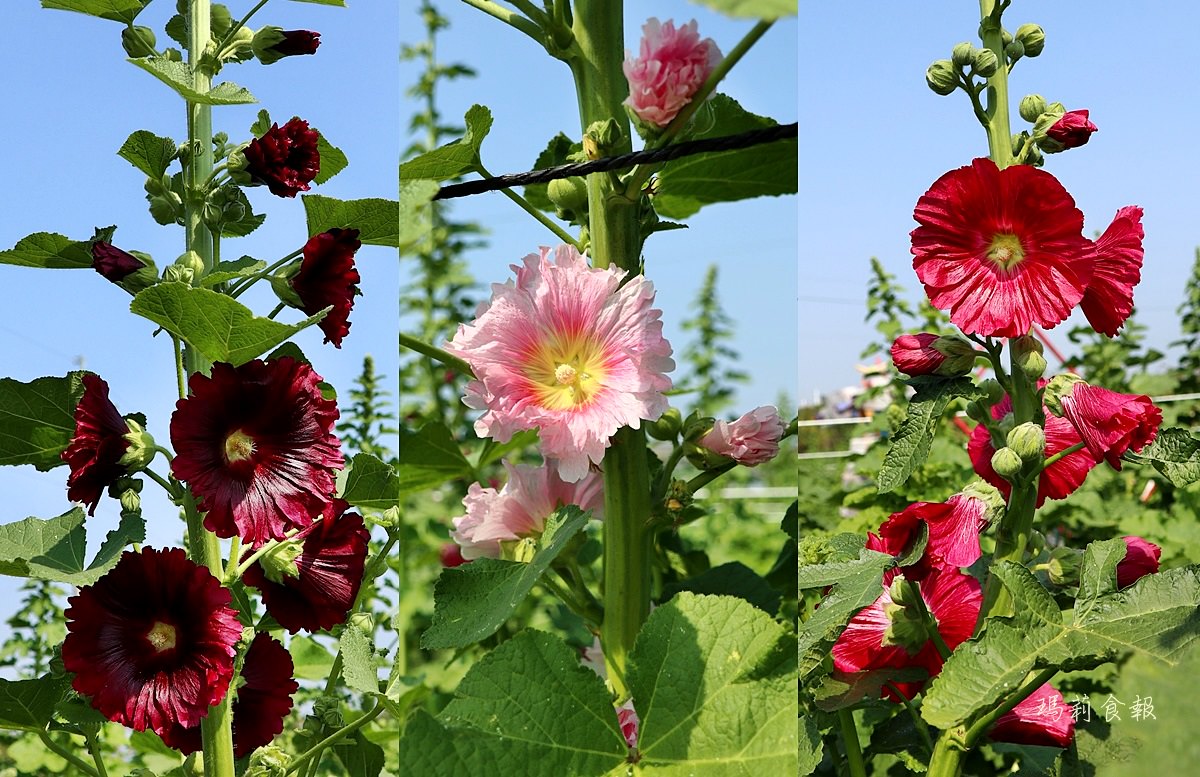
[(707, 355), (453, 159), (377, 220), (912, 442), (856, 577), (53, 548), (368, 419), (49, 250), (1109, 362), (35, 628), (28, 705), (429, 457), (370, 483), (179, 76), (114, 10), (1188, 369), (38, 419), (754, 9), (148, 152)]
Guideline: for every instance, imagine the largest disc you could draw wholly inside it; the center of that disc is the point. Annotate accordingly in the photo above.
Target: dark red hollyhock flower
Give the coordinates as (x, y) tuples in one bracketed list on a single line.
[(1109, 422), (451, 555), (1072, 130), (285, 158), (113, 263), (331, 569), (1041, 719), (1116, 269), (930, 354), (297, 42), (152, 641), (1001, 250), (1141, 559), (327, 276), (98, 445), (256, 445), (259, 706)]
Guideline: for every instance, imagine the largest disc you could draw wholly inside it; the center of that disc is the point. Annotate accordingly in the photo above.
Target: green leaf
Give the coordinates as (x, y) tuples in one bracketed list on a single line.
[(554, 154), (910, 446), (131, 529), (473, 600), (311, 659), (238, 268), (360, 756), (358, 661), (37, 419), (856, 584), (333, 160), (49, 250), (124, 11), (53, 549), (1175, 453), (249, 221), (415, 212), (28, 705), (377, 220), (713, 681), (454, 158), (148, 152), (493, 451), (178, 76), (1098, 575), (811, 746), (731, 579), (429, 457), (687, 184), (221, 328), (370, 483), (753, 9)]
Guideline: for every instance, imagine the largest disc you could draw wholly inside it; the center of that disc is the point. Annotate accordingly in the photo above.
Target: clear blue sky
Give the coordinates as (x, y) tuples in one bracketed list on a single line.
[(874, 137)]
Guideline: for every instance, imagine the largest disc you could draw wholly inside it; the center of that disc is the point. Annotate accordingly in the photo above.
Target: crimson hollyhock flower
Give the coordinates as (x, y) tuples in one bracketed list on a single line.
[(285, 159), (954, 528), (929, 354), (451, 555), (1110, 423), (330, 570), (1040, 719), (272, 44), (152, 641), (327, 276), (888, 635), (1141, 559), (1001, 250), (113, 263), (256, 445), (627, 718), (259, 705), (1116, 269), (98, 445), (1072, 129)]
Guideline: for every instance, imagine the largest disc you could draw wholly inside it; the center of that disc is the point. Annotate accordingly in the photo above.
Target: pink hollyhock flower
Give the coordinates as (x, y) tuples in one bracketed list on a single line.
[(1001, 250), (285, 159), (1109, 422), (1072, 130), (930, 354), (327, 276), (628, 720), (1116, 269), (673, 64), (881, 635), (569, 350), (113, 263), (98, 445), (152, 641), (1141, 559), (520, 509), (750, 440), (1042, 719), (256, 445)]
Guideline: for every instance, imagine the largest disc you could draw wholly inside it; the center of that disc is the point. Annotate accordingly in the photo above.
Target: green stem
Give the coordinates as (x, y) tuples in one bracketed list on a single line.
[(511, 18), (333, 738), (999, 131), (172, 490), (948, 755), (918, 722), (238, 568), (241, 23), (664, 478), (708, 476), (70, 757), (913, 592), (435, 353), (180, 372), (1052, 460), (93, 745), (240, 286), (541, 218), (854, 756), (275, 311)]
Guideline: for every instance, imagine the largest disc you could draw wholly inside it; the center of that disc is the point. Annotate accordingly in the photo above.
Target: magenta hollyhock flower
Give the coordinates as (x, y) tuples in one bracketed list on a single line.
[(1072, 130), (1116, 269), (256, 445), (870, 640), (327, 276), (520, 509), (897, 534), (1109, 422), (929, 354), (113, 263), (285, 159), (627, 718), (954, 528), (570, 350), (1042, 718), (1001, 250), (152, 641), (1141, 559), (673, 64), (95, 451), (330, 564), (259, 705), (750, 440), (451, 555)]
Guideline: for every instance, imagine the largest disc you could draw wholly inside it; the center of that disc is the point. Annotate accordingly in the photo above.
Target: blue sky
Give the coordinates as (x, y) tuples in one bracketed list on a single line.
[(874, 137)]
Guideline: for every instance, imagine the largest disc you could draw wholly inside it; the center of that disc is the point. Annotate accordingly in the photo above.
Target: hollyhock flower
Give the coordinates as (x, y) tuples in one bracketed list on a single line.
[(750, 440), (1141, 559), (954, 528), (1001, 250), (570, 351), (627, 718), (1116, 269), (98, 445), (888, 634), (272, 44), (1072, 129), (1041, 719), (113, 263), (330, 570), (520, 509), (930, 354), (285, 159), (259, 705), (673, 64), (327, 276), (1109, 422), (256, 445), (451, 555), (152, 641)]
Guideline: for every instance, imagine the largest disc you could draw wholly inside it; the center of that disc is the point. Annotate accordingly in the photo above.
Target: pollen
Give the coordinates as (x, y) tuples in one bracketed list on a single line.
[(161, 637), (239, 446), (1006, 251)]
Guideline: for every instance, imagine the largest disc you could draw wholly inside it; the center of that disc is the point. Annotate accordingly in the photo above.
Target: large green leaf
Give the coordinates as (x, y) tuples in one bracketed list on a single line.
[(754, 9), (360, 756), (910, 446), (473, 600), (28, 705), (37, 419), (148, 152), (333, 160), (1175, 453), (554, 154), (358, 661), (377, 220), (1098, 575), (415, 212), (178, 76), (430, 457), (731, 579), (687, 184), (713, 681), (218, 326), (454, 158), (124, 11), (49, 250), (856, 584), (54, 548), (370, 483)]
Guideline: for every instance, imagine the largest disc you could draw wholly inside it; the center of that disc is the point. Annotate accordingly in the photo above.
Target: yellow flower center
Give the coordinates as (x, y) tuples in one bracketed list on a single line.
[(239, 446), (161, 636), (1006, 251), (566, 372)]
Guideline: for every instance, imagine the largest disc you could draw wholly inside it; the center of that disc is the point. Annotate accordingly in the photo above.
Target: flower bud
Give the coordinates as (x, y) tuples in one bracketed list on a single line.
[(141, 447), (993, 500), (930, 354), (1034, 365), (281, 284), (175, 273), (364, 622), (994, 391), (131, 500), (328, 710), (1032, 106), (271, 44), (703, 458), (1064, 566), (240, 47), (138, 42), (986, 63), (962, 54), (521, 551), (1059, 386), (1014, 51), (167, 208), (236, 164), (978, 412), (667, 426), (1032, 37), (570, 194), (1028, 440), (1027, 355), (942, 77), (1005, 36), (1007, 463), (268, 761), (279, 562)]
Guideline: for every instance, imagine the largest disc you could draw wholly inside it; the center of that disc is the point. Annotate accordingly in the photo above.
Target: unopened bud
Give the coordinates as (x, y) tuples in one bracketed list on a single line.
[(1007, 463), (521, 551), (131, 500), (174, 273), (1031, 107), (138, 42), (1014, 51), (568, 193), (667, 426), (985, 62), (281, 284), (942, 77), (962, 54), (1024, 349), (991, 497), (279, 562), (141, 448), (364, 622), (1028, 440), (1064, 566), (993, 390), (328, 710), (268, 761), (1032, 37)]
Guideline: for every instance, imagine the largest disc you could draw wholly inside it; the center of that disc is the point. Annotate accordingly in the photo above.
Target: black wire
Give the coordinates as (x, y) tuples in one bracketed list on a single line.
[(624, 161)]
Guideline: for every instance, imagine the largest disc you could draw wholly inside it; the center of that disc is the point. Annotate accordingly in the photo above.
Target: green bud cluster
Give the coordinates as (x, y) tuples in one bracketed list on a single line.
[(1028, 441), (1007, 463), (668, 425)]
